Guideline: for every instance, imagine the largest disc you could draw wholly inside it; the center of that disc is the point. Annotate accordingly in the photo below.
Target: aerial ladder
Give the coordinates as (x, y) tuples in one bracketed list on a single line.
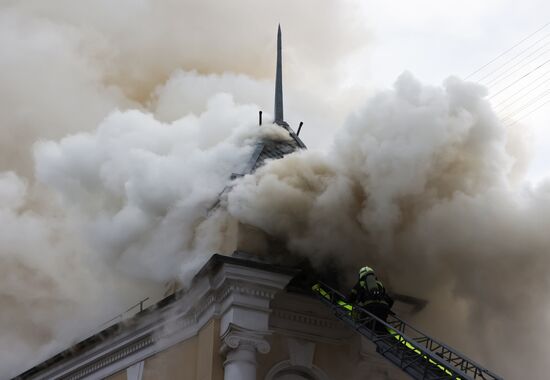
[(417, 354)]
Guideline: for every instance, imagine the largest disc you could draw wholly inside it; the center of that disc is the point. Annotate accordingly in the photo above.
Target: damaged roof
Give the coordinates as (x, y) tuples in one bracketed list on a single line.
[(270, 149)]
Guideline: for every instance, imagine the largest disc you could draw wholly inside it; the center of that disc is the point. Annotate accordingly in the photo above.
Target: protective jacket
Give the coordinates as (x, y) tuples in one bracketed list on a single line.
[(369, 290)]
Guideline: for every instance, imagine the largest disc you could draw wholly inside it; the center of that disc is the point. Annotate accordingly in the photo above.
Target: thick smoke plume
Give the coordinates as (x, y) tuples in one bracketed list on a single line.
[(117, 138), (419, 184), (123, 122)]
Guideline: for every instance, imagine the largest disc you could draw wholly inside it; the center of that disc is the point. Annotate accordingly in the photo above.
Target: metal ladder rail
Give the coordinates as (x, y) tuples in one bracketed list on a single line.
[(468, 368), (459, 360), (395, 348), (437, 351)]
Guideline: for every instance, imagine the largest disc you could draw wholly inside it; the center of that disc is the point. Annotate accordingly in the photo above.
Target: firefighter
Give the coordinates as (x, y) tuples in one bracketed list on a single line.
[(369, 294)]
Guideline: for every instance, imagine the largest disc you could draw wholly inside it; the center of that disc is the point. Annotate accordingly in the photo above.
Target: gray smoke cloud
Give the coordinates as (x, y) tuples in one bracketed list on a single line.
[(122, 123), (116, 213), (421, 183), (52, 288), (61, 55), (118, 134)]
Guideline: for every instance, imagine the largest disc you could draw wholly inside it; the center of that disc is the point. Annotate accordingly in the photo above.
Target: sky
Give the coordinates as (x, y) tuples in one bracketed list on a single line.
[(101, 102), (436, 39)]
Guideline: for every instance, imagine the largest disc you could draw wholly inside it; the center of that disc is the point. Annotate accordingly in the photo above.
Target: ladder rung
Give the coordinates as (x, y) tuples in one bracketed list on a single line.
[(418, 354)]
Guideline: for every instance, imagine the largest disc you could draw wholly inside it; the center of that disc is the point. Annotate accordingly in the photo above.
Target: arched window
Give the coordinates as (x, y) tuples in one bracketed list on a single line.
[(287, 371)]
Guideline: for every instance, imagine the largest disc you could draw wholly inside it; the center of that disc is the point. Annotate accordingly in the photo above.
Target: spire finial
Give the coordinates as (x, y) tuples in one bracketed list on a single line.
[(279, 118)]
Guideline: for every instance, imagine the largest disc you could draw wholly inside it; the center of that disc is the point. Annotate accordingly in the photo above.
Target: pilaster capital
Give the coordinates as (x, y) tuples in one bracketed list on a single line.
[(237, 337)]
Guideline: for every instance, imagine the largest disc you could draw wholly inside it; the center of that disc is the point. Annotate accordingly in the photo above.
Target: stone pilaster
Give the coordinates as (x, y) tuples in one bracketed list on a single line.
[(240, 347), (244, 309)]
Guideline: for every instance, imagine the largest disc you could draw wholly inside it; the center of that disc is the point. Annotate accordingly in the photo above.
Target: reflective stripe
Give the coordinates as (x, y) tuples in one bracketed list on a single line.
[(318, 289), (345, 305), (417, 351), (348, 307)]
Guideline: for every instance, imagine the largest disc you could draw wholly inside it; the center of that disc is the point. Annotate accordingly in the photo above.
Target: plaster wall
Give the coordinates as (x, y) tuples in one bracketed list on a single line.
[(118, 376), (178, 362), (197, 358)]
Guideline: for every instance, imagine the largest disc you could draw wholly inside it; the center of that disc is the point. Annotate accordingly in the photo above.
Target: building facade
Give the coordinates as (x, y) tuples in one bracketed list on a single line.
[(239, 320)]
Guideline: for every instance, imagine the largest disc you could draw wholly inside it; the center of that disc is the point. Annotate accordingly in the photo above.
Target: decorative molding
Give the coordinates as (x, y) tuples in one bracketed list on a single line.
[(237, 336), (113, 357), (142, 336), (306, 319), (301, 352), (135, 372), (260, 291), (280, 368), (306, 326)]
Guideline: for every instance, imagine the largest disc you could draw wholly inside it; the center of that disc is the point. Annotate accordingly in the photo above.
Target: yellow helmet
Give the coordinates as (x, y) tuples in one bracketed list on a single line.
[(365, 271)]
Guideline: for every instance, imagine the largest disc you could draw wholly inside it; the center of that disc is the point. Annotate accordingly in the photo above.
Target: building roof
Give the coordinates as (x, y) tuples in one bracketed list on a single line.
[(269, 148), (272, 149), (140, 320)]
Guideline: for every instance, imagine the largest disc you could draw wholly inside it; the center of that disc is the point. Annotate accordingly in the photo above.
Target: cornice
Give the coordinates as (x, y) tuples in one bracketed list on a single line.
[(157, 329), (306, 319), (307, 326), (138, 345)]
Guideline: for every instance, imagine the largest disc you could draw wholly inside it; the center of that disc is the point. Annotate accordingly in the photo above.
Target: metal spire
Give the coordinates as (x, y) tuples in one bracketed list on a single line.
[(279, 119)]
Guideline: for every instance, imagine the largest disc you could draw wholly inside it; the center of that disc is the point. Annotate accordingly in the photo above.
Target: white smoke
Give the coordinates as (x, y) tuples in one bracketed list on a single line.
[(419, 184), (141, 187), (50, 285), (422, 181), (119, 209), (130, 213)]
